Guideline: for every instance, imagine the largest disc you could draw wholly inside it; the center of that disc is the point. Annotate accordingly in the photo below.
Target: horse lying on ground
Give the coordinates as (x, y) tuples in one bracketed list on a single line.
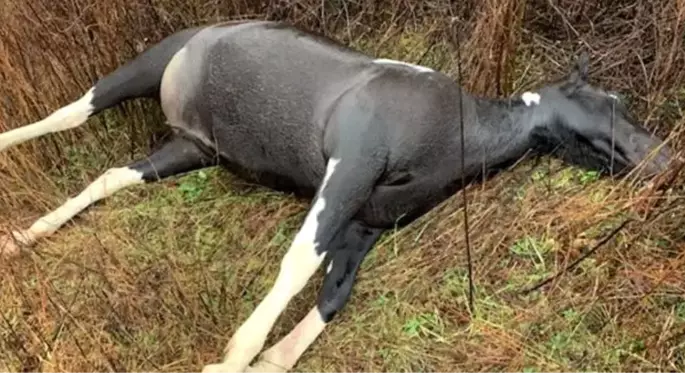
[(374, 143)]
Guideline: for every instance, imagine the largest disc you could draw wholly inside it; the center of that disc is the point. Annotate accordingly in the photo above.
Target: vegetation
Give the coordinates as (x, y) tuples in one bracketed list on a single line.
[(159, 276)]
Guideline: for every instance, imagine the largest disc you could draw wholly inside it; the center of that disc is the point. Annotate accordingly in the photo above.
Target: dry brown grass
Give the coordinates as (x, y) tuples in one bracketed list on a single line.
[(159, 276)]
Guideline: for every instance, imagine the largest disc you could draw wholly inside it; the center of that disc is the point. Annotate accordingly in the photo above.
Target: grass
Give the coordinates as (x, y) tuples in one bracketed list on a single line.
[(159, 276)]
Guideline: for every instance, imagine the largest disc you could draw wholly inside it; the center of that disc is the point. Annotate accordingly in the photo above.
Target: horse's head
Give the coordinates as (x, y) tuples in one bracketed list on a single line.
[(591, 127)]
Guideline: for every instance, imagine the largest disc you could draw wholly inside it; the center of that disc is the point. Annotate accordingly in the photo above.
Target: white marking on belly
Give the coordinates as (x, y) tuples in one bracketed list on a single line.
[(172, 87), (530, 98), (178, 88), (297, 267), (67, 117), (107, 184), (387, 61), (289, 349)]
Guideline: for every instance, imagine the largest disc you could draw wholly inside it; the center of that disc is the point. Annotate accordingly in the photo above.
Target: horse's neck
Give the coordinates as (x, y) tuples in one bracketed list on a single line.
[(500, 132)]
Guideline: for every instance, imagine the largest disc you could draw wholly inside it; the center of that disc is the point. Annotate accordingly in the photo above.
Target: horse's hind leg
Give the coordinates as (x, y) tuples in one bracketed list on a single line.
[(67, 117), (175, 157), (140, 77)]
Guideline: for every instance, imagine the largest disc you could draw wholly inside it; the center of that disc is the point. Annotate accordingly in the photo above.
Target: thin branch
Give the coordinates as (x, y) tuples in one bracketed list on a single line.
[(580, 259), (463, 173)]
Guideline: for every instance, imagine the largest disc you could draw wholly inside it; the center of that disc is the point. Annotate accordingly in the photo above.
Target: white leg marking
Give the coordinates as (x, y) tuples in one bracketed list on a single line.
[(107, 184), (70, 116), (530, 98), (283, 356), (419, 68), (297, 267)]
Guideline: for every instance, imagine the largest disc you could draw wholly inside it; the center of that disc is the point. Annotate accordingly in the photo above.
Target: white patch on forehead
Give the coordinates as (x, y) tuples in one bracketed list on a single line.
[(419, 68), (330, 267), (530, 98), (613, 96)]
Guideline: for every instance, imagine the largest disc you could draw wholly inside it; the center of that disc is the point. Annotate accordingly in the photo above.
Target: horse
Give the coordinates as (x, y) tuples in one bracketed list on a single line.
[(373, 143)]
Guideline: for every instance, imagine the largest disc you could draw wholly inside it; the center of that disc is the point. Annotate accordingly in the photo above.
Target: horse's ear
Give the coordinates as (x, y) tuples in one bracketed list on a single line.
[(579, 74), (583, 66)]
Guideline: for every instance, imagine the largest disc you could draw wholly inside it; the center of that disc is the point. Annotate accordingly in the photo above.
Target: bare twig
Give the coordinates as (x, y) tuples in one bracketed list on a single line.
[(580, 259), (463, 179)]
